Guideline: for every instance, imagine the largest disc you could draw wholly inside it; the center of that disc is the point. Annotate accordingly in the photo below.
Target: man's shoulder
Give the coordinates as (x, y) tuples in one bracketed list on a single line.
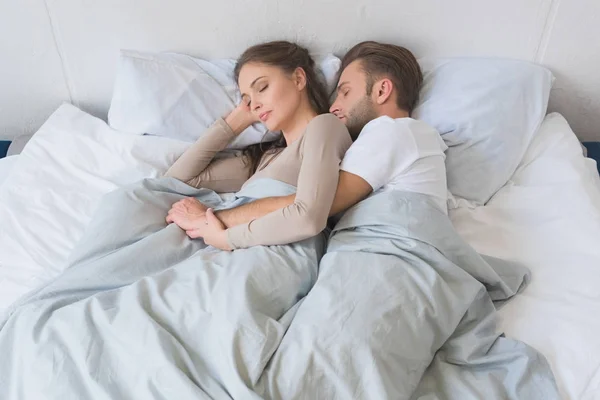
[(386, 123), (398, 131), (385, 128)]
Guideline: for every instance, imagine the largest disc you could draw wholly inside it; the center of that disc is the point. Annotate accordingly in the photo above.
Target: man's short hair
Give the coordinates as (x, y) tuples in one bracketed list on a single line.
[(379, 60)]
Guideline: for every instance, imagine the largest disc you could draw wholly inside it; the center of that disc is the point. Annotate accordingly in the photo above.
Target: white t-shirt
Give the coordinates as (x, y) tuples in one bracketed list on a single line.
[(400, 154)]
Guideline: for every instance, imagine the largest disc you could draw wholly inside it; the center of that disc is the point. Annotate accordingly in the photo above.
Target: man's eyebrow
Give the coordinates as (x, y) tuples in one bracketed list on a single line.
[(342, 84), (253, 82)]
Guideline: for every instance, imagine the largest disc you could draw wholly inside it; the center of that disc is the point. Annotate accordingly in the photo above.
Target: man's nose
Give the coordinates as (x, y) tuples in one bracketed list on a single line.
[(334, 109)]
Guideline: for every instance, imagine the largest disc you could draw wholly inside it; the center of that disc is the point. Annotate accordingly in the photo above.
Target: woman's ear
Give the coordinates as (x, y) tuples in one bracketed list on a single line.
[(299, 78), (382, 90)]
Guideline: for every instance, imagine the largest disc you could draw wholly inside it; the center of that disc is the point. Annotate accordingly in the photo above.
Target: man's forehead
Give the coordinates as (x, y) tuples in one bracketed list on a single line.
[(353, 72)]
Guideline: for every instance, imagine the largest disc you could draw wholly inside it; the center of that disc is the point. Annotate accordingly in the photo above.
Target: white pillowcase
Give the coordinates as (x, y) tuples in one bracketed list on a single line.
[(178, 96), (487, 111), (52, 191)]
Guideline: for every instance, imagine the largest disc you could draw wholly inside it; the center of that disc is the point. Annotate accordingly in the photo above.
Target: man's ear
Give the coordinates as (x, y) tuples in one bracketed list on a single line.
[(382, 90), (300, 78)]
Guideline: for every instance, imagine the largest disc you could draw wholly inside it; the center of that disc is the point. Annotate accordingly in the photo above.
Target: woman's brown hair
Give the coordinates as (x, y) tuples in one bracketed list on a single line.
[(287, 56)]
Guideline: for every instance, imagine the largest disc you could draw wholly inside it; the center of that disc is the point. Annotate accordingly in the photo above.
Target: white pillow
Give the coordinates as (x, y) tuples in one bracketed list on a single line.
[(53, 189), (178, 96), (487, 111)]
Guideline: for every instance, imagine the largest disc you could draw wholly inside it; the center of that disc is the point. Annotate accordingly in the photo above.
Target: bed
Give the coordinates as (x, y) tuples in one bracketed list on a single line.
[(545, 218)]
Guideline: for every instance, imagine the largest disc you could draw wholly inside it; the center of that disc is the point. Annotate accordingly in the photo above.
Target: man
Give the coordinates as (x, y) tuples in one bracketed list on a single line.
[(378, 88)]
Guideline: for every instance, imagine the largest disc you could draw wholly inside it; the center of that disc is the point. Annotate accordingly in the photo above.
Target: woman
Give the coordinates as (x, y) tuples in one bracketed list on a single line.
[(280, 88)]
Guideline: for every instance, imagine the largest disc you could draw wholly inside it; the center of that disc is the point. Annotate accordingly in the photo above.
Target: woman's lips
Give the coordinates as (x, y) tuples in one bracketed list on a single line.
[(264, 116)]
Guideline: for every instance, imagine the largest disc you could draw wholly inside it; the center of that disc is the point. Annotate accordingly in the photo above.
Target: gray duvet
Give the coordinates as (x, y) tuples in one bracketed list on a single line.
[(401, 309)]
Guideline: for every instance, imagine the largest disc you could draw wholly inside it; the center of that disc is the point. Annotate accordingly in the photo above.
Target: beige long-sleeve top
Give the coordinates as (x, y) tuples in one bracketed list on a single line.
[(311, 163)]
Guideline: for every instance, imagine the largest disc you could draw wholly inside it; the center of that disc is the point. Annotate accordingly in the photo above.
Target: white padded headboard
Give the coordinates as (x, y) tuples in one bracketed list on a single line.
[(55, 51)]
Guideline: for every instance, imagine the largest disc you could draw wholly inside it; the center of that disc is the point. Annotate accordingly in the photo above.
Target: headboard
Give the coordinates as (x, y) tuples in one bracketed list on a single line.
[(67, 50)]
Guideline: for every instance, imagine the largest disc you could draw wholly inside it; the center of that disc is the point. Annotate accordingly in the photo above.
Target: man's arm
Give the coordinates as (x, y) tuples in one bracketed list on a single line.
[(350, 190)]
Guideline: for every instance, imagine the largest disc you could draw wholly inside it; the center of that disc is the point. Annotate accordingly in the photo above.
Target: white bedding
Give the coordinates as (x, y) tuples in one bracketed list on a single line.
[(54, 188), (548, 218), (6, 165)]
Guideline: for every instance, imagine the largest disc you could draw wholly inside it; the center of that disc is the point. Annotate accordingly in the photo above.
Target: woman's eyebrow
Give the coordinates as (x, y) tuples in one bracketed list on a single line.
[(253, 82)]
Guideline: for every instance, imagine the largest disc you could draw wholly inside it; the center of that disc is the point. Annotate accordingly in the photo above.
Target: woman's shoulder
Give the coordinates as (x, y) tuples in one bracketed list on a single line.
[(326, 127), (327, 119)]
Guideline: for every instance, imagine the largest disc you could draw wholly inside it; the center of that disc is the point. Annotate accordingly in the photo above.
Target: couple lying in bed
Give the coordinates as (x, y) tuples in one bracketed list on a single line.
[(398, 307), (402, 308), (378, 88)]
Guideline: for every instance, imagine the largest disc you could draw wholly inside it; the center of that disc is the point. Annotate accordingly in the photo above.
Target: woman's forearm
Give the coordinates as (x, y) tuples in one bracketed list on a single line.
[(251, 211), (200, 154)]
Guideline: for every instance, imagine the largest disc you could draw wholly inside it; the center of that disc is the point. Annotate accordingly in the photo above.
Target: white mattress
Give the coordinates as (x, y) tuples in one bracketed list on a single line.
[(548, 218)]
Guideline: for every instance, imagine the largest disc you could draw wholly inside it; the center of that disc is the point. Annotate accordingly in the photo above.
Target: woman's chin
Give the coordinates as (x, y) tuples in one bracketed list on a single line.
[(273, 127)]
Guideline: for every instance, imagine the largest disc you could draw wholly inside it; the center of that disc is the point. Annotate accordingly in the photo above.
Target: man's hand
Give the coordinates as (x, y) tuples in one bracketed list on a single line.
[(213, 232), (188, 214)]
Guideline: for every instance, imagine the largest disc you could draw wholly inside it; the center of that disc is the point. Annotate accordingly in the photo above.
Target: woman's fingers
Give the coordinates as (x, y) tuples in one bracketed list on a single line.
[(169, 217), (194, 233)]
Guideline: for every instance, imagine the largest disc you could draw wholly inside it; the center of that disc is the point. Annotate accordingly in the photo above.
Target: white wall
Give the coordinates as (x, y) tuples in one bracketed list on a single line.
[(66, 50), (32, 82)]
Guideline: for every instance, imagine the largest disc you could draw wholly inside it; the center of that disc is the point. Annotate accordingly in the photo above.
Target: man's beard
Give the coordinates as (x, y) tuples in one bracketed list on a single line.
[(361, 114)]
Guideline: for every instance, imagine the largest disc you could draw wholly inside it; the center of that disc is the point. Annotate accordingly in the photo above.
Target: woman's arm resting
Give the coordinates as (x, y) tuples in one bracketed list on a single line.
[(196, 166), (251, 211), (350, 190), (200, 154)]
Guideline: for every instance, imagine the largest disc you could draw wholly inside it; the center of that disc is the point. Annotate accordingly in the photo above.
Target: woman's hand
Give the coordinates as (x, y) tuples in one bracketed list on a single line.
[(241, 117), (213, 232)]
